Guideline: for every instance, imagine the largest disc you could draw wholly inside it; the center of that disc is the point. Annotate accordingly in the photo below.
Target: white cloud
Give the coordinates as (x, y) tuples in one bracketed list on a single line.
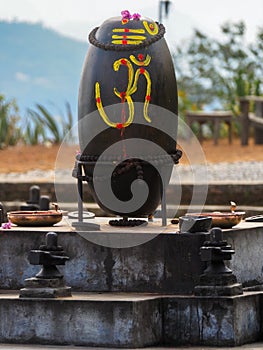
[(22, 77), (41, 81), (62, 14), (25, 78), (17, 9)]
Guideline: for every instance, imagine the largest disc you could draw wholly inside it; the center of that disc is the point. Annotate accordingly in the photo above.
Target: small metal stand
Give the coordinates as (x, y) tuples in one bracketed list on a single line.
[(218, 279), (80, 224), (164, 208), (48, 282), (78, 174)]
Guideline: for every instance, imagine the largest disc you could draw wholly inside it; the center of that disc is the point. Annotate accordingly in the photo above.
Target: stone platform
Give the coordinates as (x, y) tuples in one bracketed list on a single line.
[(150, 259), (155, 260), (131, 320), (132, 288)]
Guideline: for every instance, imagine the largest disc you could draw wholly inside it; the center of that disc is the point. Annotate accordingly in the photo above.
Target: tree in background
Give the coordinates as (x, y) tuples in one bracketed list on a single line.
[(38, 127), (10, 132), (216, 72), (42, 126)]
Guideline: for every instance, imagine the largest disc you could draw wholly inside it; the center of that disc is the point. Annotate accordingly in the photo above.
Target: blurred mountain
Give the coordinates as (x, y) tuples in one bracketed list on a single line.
[(39, 65), (43, 65)]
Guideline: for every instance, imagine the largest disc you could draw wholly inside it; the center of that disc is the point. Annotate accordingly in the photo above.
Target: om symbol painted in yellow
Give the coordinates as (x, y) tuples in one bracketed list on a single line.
[(125, 96)]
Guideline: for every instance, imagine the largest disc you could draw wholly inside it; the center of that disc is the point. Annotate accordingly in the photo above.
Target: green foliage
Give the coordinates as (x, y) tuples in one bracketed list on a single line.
[(9, 129), (38, 127), (34, 132), (42, 126), (210, 69)]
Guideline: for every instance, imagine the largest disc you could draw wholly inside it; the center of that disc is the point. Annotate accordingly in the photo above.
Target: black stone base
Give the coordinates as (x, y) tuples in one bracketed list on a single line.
[(218, 285), (44, 288)]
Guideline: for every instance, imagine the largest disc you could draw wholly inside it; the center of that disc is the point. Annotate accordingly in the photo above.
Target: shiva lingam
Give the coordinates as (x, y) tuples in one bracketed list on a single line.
[(128, 70), (36, 201), (222, 219), (48, 282), (217, 279)]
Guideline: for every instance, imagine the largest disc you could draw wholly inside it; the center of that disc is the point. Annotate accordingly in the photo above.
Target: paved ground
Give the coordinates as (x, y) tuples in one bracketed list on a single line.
[(238, 172)]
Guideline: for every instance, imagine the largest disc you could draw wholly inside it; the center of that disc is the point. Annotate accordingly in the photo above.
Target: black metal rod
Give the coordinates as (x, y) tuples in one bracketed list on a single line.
[(80, 194), (160, 11)]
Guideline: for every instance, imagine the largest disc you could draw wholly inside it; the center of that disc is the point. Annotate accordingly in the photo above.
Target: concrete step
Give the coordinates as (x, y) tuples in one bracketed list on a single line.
[(129, 320), (131, 298), (156, 259), (250, 346), (124, 320)]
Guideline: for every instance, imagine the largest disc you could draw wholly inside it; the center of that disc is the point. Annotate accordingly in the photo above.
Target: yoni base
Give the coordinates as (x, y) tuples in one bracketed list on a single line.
[(224, 284), (44, 288)]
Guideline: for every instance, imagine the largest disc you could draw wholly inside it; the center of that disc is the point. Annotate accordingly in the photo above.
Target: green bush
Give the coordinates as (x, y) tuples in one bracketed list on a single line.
[(41, 126), (10, 133), (38, 126), (216, 72)]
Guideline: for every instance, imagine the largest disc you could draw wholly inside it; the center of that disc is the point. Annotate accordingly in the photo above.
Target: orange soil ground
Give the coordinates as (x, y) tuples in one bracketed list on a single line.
[(23, 158)]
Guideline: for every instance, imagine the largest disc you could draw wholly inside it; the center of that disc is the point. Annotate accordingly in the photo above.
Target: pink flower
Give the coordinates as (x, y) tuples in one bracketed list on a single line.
[(126, 14), (136, 16), (6, 225)]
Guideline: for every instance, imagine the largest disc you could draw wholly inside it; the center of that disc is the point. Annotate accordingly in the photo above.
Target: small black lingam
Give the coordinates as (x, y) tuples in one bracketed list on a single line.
[(128, 93), (218, 279), (48, 282), (36, 201)]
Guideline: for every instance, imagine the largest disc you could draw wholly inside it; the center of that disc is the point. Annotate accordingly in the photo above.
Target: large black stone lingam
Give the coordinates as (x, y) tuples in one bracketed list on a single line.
[(128, 92)]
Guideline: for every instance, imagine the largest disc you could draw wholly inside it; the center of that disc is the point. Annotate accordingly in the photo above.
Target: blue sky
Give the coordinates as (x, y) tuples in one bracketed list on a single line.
[(77, 17)]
